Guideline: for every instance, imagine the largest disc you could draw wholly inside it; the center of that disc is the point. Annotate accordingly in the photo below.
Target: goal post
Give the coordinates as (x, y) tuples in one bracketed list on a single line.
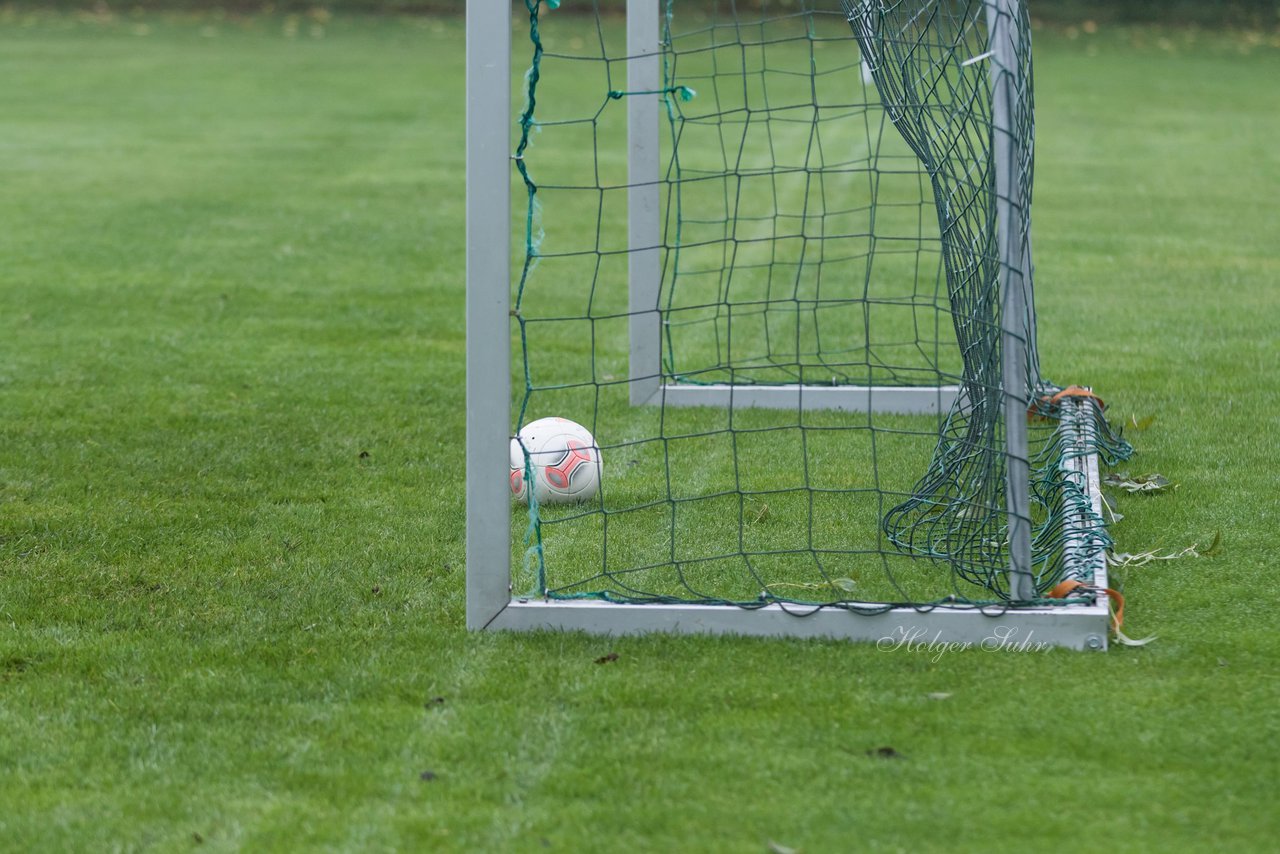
[(488, 304), (1013, 287), (644, 217), (762, 540)]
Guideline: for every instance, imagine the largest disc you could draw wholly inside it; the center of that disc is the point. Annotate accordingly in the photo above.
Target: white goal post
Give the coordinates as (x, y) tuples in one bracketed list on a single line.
[(490, 603)]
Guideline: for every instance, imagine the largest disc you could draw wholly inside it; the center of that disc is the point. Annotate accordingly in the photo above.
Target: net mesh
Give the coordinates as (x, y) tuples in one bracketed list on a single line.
[(828, 218)]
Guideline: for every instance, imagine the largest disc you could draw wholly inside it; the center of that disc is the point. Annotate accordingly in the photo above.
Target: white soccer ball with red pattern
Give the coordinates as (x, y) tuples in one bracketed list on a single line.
[(563, 462)]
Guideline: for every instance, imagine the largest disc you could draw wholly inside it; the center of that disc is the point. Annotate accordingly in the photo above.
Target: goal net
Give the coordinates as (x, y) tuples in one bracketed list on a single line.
[(776, 258)]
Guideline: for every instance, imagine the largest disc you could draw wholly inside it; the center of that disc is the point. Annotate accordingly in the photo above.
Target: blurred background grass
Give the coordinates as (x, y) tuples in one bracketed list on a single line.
[(1207, 13)]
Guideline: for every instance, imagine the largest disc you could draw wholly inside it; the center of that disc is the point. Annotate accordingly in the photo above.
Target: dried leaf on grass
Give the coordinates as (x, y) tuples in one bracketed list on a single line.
[(1126, 559), (1145, 483)]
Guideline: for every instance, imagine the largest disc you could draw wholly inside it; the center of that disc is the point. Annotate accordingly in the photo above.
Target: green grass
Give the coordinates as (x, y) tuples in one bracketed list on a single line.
[(231, 567)]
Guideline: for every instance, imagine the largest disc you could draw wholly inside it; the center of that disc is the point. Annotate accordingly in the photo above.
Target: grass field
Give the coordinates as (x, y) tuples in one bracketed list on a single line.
[(231, 565)]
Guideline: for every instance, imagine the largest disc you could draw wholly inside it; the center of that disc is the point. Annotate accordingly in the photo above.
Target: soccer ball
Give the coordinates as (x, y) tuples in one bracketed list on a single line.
[(564, 462)]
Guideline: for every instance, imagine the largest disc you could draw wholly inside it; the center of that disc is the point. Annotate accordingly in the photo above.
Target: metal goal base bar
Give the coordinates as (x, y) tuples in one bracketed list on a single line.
[(902, 400), (940, 629)]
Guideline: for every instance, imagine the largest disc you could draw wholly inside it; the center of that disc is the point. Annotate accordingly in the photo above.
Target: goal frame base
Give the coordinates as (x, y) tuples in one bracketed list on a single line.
[(1031, 629), (901, 400)]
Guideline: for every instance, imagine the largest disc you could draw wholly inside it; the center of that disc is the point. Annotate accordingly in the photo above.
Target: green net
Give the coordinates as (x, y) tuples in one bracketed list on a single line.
[(828, 212)]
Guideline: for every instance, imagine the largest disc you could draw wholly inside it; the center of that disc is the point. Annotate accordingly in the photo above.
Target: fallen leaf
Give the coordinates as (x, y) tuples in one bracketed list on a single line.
[(1215, 546), (1143, 483)]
